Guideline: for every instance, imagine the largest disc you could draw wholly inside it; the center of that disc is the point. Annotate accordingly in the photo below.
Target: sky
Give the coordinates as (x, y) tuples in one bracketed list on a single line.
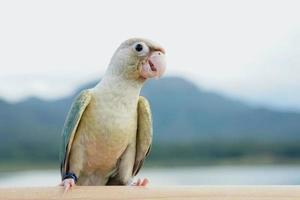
[(248, 50)]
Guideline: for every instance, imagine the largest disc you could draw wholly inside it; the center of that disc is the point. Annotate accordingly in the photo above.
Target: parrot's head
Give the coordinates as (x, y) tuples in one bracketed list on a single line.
[(138, 59)]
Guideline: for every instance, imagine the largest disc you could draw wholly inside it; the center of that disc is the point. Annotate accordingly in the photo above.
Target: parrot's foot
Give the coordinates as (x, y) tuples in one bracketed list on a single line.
[(141, 182), (68, 183)]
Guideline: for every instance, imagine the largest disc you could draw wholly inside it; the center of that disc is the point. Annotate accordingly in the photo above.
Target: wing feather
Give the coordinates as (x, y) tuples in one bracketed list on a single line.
[(71, 124), (144, 134)]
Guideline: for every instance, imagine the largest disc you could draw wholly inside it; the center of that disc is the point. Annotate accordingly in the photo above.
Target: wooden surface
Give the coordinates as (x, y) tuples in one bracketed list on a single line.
[(161, 193)]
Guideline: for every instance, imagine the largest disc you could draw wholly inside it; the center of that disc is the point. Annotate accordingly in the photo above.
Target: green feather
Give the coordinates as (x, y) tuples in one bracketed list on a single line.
[(77, 109)]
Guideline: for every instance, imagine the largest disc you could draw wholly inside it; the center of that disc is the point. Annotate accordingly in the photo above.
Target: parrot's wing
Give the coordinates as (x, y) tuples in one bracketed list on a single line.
[(144, 134), (77, 109)]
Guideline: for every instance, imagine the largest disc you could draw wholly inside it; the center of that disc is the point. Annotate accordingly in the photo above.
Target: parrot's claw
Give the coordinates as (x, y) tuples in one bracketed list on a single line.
[(141, 182), (68, 183)]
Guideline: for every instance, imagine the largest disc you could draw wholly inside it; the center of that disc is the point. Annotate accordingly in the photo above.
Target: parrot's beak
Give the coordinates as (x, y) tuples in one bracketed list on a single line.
[(154, 65)]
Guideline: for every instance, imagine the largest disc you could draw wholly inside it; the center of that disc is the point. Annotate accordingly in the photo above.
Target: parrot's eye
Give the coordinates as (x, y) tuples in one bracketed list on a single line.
[(141, 48)]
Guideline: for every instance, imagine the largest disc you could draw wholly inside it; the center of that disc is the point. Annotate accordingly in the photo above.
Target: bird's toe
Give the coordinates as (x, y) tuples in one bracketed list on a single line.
[(68, 184), (141, 182)]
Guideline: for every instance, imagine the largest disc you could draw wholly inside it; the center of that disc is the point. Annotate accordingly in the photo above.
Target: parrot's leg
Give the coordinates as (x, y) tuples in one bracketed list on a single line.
[(69, 180), (75, 167), (68, 183), (141, 182)]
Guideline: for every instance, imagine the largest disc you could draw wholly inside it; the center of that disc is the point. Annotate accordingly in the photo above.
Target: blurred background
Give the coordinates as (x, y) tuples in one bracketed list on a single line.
[(227, 111)]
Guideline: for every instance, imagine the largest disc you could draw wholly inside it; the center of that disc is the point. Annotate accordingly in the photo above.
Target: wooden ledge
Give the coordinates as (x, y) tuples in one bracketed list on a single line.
[(165, 193)]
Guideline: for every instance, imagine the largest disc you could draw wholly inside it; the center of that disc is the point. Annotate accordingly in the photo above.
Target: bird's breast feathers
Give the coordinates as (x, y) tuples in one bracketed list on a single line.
[(105, 131)]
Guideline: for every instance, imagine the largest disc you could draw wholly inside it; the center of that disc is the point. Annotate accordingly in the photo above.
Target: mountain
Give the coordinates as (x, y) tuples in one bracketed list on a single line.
[(182, 113)]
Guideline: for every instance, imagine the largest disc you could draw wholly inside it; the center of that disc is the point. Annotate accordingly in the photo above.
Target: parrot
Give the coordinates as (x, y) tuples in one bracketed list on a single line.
[(108, 130)]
